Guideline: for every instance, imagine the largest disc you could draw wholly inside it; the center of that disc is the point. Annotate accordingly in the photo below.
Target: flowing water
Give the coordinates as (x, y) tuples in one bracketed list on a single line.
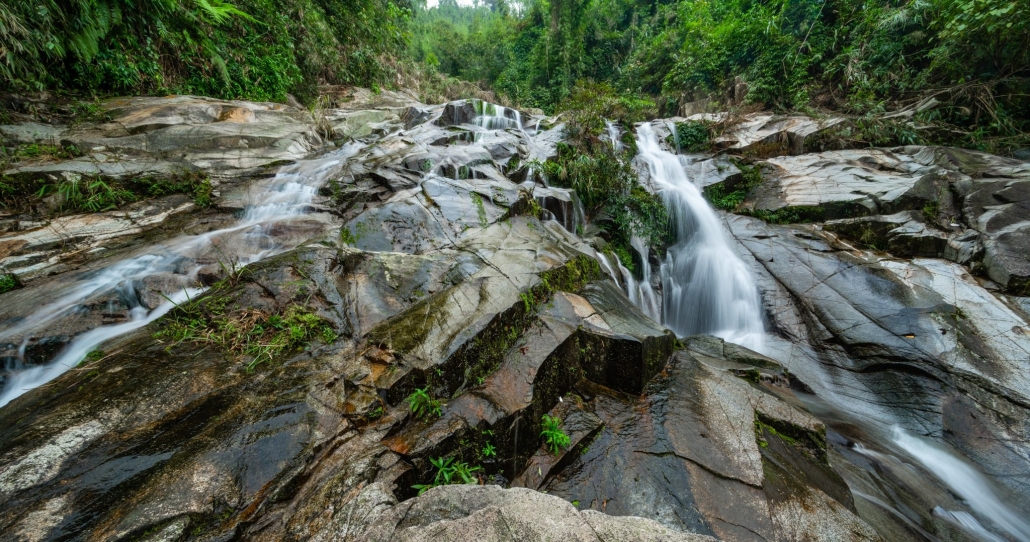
[(706, 288), (975, 489), (497, 117), (257, 234)]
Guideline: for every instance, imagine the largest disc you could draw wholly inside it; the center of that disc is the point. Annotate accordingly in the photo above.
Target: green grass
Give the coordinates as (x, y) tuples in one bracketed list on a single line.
[(242, 333)]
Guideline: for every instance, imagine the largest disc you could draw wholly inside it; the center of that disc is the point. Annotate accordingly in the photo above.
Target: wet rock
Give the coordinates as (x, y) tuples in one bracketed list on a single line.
[(706, 451), (455, 113), (906, 234), (67, 241), (917, 343), (361, 123), (849, 183), (960, 191)]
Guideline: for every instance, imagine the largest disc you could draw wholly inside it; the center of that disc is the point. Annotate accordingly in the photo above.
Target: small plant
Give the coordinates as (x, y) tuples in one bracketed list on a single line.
[(449, 471), (375, 413), (489, 450), (423, 405), (931, 211), (9, 282), (555, 439)]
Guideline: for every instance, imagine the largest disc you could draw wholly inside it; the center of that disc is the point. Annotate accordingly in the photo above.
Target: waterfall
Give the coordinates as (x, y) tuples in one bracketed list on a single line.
[(496, 117), (968, 483), (706, 288), (286, 196), (614, 135), (644, 295)]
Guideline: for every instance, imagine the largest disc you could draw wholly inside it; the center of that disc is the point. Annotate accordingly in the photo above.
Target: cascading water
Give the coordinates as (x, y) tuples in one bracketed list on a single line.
[(643, 294), (286, 196), (497, 117), (967, 482), (613, 135), (706, 288)]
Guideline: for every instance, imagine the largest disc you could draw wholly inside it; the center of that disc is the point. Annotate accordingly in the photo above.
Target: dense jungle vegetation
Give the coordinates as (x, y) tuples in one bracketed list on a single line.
[(254, 49), (959, 69)]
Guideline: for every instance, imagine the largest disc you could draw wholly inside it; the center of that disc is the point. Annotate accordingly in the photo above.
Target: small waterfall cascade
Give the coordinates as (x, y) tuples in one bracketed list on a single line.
[(496, 117), (614, 135), (643, 294), (968, 483), (675, 136), (706, 288), (286, 196)]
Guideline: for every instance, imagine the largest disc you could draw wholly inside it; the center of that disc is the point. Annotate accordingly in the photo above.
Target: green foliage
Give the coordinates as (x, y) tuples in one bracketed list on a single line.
[(554, 437), (691, 136), (9, 282), (449, 471), (863, 57), (488, 450), (931, 211), (788, 215), (89, 195), (603, 178), (256, 49), (622, 253), (720, 198), (94, 194), (423, 405)]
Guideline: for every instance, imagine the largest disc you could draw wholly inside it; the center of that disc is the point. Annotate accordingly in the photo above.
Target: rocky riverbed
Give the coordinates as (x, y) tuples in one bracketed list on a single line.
[(384, 248)]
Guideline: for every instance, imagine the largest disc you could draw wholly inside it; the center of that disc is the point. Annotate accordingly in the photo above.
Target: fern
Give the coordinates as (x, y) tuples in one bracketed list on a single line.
[(218, 12)]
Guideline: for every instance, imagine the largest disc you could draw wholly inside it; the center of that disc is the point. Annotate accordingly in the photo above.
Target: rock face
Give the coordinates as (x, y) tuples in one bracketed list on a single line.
[(972, 202), (428, 268), (918, 344)]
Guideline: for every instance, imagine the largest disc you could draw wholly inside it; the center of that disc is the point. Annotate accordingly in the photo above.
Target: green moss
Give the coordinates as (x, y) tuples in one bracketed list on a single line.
[(811, 442), (480, 209)]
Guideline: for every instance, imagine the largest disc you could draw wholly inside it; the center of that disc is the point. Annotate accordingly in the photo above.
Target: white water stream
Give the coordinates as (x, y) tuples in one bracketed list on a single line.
[(968, 483), (706, 288), (496, 117), (282, 198)]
